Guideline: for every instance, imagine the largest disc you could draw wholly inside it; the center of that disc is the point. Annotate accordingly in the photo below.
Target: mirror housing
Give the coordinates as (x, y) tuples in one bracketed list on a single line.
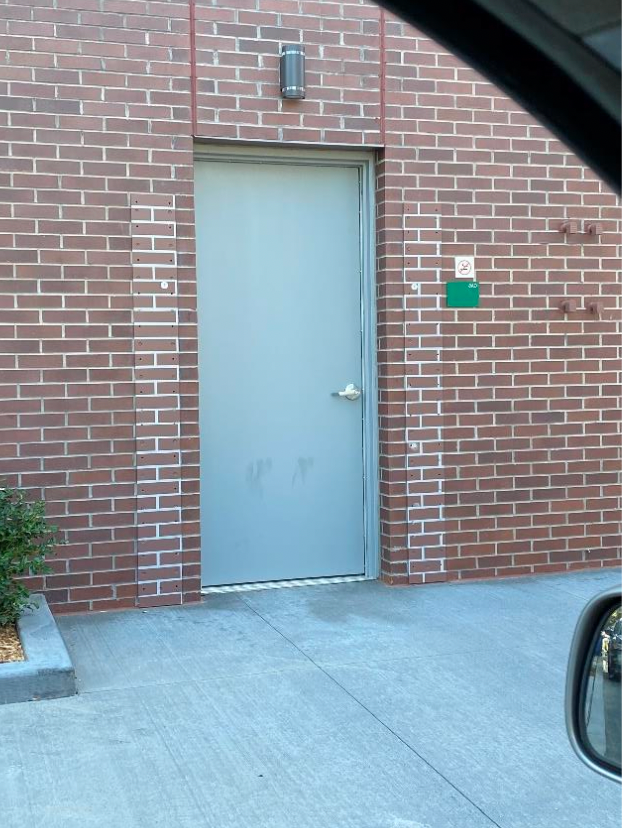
[(585, 673)]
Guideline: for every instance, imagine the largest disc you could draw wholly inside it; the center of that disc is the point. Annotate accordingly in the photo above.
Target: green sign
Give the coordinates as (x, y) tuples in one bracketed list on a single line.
[(462, 294)]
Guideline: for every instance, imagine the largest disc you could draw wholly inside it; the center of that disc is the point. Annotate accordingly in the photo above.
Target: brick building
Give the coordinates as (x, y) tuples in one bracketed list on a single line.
[(486, 441)]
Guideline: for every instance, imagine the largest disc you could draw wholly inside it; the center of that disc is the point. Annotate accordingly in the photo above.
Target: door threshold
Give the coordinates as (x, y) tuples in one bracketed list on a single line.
[(344, 579)]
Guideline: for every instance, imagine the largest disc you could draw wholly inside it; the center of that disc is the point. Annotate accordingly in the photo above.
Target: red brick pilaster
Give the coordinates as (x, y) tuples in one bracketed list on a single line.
[(156, 375)]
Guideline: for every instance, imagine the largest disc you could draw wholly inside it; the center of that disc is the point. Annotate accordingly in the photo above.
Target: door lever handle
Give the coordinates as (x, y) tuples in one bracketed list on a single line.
[(350, 392)]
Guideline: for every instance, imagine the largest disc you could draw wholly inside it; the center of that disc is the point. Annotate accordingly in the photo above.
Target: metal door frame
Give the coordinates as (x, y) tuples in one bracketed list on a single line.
[(364, 162)]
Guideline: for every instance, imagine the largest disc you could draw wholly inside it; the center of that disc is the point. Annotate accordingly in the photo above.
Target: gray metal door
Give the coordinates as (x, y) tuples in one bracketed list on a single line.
[(279, 285)]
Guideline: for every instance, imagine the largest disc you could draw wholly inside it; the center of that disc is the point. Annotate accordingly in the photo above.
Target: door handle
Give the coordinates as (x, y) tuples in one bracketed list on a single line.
[(350, 392)]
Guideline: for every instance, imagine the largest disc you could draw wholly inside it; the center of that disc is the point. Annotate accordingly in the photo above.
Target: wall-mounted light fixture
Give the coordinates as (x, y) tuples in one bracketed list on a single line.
[(293, 71)]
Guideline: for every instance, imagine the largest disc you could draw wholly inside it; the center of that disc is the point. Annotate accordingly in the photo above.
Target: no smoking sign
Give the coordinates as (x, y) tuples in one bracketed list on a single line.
[(465, 267)]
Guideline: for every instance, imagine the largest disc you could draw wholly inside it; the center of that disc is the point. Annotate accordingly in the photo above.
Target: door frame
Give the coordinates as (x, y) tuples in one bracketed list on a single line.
[(364, 162)]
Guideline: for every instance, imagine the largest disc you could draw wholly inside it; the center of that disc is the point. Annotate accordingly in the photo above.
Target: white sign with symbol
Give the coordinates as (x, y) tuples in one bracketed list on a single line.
[(465, 267)]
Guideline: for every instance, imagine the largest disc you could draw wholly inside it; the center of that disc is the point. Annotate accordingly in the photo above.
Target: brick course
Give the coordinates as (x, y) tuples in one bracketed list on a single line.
[(95, 115), (499, 426)]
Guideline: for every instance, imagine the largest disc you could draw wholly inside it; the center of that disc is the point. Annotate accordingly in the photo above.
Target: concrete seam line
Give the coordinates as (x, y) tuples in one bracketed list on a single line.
[(374, 716)]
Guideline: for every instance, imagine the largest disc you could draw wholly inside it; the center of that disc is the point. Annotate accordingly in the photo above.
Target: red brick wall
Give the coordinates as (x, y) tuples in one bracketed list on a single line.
[(237, 67), (511, 439), (500, 441), (95, 114)]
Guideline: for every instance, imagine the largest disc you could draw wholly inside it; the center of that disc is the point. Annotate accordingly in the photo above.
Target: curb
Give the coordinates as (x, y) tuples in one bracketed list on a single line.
[(47, 672)]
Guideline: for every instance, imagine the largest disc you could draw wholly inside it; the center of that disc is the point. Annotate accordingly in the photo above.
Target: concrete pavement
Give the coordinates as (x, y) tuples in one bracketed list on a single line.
[(340, 706)]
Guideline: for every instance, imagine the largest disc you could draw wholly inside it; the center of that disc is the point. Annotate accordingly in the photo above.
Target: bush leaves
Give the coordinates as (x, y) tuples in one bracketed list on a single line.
[(26, 539)]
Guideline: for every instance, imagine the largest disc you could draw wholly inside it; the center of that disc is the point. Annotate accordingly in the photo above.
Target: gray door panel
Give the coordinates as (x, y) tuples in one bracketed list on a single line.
[(278, 250)]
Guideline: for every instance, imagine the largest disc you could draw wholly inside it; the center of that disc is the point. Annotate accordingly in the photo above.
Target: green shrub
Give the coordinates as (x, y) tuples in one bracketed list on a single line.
[(26, 539)]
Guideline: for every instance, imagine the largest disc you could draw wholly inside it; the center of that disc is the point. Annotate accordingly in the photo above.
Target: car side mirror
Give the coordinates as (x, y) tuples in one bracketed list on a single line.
[(593, 686)]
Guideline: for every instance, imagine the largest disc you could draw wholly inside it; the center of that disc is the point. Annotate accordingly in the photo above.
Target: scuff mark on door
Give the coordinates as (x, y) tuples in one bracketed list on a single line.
[(255, 472), (303, 467)]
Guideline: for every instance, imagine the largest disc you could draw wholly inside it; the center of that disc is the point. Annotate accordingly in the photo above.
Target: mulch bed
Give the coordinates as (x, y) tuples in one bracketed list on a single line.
[(10, 646)]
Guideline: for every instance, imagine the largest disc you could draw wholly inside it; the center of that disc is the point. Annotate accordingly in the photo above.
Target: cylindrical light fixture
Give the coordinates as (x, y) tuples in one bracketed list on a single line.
[(293, 71)]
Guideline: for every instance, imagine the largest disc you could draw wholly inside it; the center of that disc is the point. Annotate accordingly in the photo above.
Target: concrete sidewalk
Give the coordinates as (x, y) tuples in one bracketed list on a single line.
[(342, 706)]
